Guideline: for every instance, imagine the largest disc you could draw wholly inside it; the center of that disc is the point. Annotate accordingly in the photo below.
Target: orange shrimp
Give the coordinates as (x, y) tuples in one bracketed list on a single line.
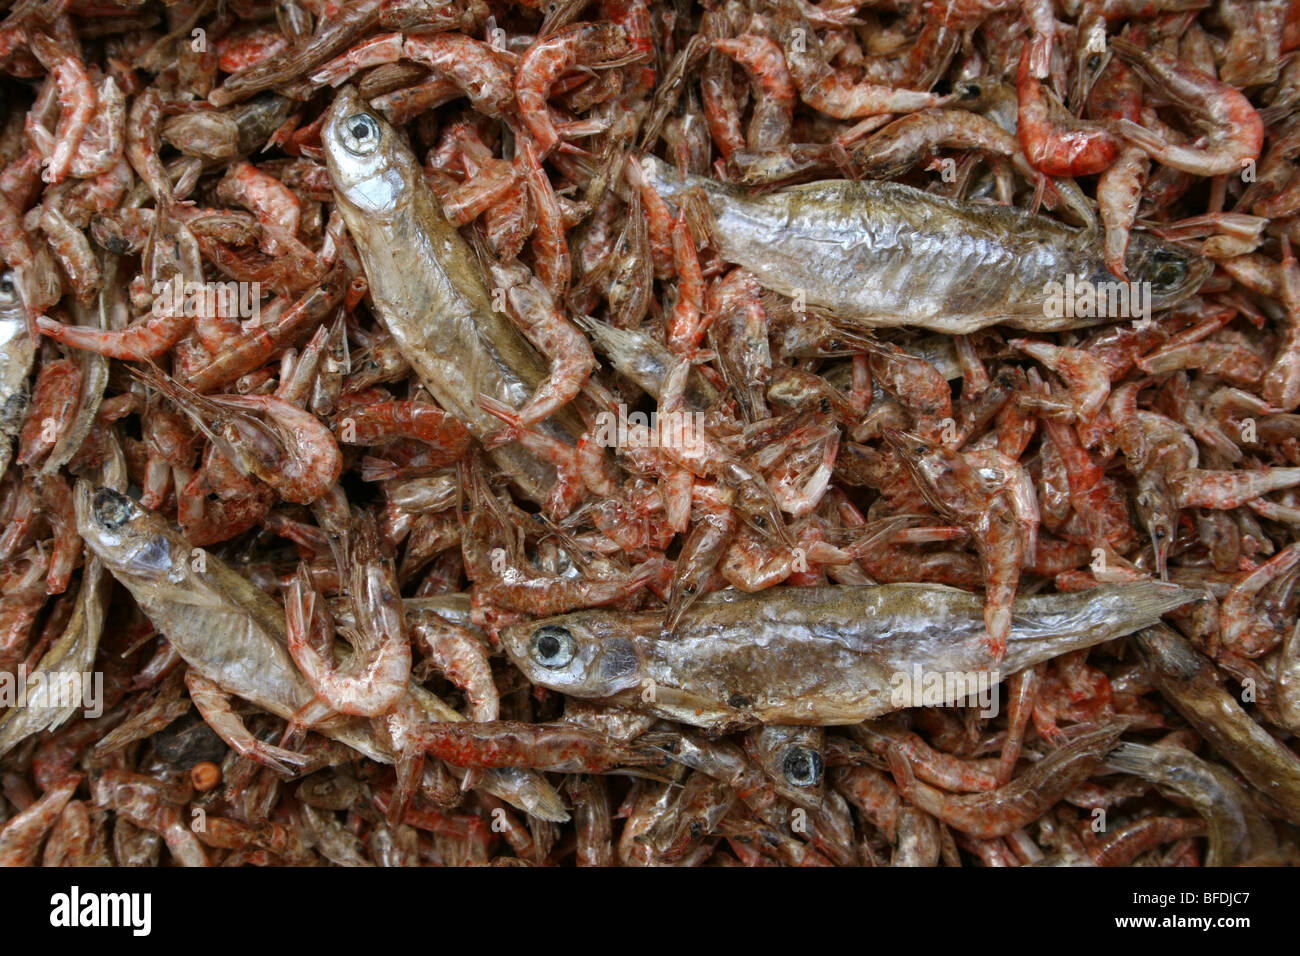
[(76, 102), (686, 326), (448, 439), (551, 260), (292, 451), (1052, 145), (582, 45)]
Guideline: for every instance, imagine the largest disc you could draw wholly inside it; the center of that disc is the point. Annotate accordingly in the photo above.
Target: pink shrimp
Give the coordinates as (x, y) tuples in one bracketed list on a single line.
[(480, 71), (274, 204), (1000, 514), (1086, 376), (634, 17), (460, 657), (1281, 386), (551, 260), (380, 422), (20, 839), (1245, 630), (214, 705), (1234, 133), (544, 324), (834, 93), (774, 91), (559, 747), (1198, 488), (146, 803), (76, 101), (54, 403), (686, 325), (292, 450), (524, 589), (378, 674)]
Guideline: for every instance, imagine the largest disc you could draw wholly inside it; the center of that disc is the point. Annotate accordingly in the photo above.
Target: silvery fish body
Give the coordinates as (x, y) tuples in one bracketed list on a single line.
[(429, 289), (881, 254), (817, 655)]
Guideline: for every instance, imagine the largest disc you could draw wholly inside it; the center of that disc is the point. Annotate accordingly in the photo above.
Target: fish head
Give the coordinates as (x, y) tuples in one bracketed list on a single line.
[(1172, 273), (13, 319), (370, 166), (586, 654), (10, 303), (124, 535), (792, 757)]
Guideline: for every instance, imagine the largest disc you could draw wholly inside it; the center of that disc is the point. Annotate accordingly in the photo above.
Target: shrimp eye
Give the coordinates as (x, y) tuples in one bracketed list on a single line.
[(360, 134), (802, 767), (1167, 269), (8, 291), (1094, 62), (760, 521), (552, 646)]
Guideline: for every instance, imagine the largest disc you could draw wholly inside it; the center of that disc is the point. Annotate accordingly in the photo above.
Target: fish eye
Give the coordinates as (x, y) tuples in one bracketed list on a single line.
[(112, 509), (802, 767), (8, 289), (360, 134), (552, 646), (1167, 269)]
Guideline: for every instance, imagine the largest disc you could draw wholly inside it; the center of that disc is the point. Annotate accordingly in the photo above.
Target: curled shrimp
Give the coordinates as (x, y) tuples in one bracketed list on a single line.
[(586, 45), (460, 657), (377, 675), (774, 91), (544, 324), (1052, 144), (76, 102), (1234, 133), (292, 451)]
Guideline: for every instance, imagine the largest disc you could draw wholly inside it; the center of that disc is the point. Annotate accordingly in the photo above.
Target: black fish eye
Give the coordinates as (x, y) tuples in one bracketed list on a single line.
[(552, 646), (802, 767), (112, 509), (1167, 269), (360, 134)]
